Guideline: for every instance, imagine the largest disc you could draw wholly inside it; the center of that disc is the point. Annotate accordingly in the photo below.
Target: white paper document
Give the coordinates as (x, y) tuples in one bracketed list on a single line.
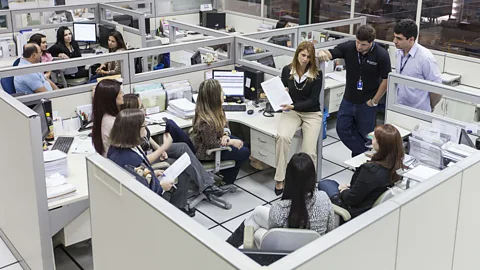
[(276, 94), (172, 172), (84, 147)]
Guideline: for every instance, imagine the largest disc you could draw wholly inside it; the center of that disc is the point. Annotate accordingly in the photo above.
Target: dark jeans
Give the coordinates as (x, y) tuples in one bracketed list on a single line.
[(239, 156), (329, 186), (354, 122), (94, 78)]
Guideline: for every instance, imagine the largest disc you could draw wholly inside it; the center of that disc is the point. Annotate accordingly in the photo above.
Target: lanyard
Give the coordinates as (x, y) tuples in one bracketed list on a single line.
[(404, 64), (362, 60)]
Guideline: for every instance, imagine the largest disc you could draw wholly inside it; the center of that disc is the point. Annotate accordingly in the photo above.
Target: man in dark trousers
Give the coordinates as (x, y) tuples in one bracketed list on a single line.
[(368, 65)]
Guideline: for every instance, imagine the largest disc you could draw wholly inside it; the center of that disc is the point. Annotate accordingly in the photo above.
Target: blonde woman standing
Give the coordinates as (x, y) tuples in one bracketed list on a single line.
[(303, 81), (210, 130)]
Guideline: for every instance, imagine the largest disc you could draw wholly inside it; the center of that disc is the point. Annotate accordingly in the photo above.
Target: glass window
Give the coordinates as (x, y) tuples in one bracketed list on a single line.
[(327, 10), (283, 9), (384, 14), (252, 7), (169, 6), (451, 26)]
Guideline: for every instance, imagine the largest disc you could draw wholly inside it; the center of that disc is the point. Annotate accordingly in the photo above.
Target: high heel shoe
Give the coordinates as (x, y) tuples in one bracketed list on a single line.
[(278, 191)]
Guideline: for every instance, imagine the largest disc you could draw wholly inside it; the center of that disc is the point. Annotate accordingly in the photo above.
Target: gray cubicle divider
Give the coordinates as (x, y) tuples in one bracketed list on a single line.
[(176, 25), (149, 232), (24, 215)]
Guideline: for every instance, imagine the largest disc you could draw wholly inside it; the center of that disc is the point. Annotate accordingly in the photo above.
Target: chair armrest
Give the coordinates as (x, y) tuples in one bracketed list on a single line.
[(160, 165), (341, 212), (210, 151), (248, 237)]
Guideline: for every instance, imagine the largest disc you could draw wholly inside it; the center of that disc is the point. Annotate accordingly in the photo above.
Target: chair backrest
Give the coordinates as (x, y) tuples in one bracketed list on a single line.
[(7, 82), (287, 239), (387, 195)]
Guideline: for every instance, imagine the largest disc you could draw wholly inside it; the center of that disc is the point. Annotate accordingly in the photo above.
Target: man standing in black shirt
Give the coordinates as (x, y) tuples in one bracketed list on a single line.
[(368, 65)]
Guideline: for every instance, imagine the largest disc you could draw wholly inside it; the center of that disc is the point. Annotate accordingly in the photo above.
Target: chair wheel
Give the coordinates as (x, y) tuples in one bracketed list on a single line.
[(228, 206), (233, 189)]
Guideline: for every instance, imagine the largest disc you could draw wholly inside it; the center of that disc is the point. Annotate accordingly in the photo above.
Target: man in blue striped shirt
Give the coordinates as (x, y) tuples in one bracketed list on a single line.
[(416, 61)]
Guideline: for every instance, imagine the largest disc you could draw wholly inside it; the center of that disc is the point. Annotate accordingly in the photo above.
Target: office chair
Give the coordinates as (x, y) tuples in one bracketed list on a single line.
[(278, 239), (7, 82), (341, 214)]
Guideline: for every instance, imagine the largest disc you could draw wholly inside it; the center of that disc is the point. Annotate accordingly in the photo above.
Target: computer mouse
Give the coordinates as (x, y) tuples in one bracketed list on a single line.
[(250, 111), (98, 52)]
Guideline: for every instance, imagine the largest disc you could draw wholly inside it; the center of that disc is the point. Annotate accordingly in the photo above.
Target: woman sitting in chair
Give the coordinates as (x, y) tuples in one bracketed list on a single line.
[(41, 40), (115, 44), (169, 152), (301, 206), (126, 139), (66, 47), (210, 130), (373, 178)]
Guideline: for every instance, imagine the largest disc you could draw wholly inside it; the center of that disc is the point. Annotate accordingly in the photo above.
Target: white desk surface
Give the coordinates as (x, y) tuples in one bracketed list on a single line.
[(331, 83), (77, 174), (6, 257), (358, 160), (166, 40), (448, 78)]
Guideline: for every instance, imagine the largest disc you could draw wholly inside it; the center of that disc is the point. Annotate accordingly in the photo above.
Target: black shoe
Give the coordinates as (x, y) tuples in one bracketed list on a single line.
[(214, 190), (236, 239), (190, 211), (278, 191)]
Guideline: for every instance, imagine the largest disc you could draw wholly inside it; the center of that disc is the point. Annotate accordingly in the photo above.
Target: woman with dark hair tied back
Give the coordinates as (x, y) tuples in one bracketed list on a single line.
[(66, 47), (373, 178), (41, 40), (301, 206), (126, 138), (107, 99), (115, 44)]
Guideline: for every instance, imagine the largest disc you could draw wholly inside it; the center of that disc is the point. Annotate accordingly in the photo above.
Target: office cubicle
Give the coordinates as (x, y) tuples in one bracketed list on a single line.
[(429, 226)]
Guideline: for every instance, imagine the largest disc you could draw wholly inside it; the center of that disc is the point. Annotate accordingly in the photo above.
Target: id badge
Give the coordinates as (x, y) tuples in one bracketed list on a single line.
[(360, 85)]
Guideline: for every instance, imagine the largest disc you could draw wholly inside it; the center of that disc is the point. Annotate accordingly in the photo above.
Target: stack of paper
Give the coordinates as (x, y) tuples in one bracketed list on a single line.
[(58, 188), (55, 162), (181, 108), (421, 173), (457, 152), (178, 89)]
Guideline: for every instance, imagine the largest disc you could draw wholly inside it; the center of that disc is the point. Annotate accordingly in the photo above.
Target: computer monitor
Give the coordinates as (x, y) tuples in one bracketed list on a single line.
[(231, 82), (126, 20), (196, 58), (38, 108), (249, 50), (465, 139), (215, 20), (86, 32), (147, 25), (264, 258), (267, 61)]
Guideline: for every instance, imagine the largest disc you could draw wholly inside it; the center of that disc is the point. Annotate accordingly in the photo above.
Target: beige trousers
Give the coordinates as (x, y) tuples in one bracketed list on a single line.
[(310, 122)]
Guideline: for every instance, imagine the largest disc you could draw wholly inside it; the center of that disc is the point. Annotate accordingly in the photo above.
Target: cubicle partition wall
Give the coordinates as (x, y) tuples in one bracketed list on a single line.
[(176, 25), (429, 226), (6, 15), (24, 217)]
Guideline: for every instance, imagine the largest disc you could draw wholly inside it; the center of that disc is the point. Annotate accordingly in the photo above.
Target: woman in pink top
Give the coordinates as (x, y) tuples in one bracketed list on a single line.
[(41, 40)]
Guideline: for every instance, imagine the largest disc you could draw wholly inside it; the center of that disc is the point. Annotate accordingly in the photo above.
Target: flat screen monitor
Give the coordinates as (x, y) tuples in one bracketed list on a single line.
[(231, 82), (267, 61), (126, 20), (196, 58), (249, 50), (86, 32), (147, 25), (465, 139), (215, 20), (38, 108), (264, 258)]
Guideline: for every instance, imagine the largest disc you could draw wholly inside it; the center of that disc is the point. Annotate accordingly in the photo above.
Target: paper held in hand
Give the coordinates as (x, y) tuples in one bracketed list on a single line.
[(172, 172), (276, 94)]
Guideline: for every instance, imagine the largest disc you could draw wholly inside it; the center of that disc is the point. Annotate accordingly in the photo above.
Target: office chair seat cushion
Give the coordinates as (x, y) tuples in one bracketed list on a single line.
[(210, 165)]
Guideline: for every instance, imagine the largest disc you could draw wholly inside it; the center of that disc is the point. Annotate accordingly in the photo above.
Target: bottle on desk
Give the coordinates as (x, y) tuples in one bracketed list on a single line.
[(50, 137)]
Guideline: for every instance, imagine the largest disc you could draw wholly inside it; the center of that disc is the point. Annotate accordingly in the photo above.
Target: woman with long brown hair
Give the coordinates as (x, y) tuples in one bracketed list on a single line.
[(372, 178), (303, 81), (210, 130)]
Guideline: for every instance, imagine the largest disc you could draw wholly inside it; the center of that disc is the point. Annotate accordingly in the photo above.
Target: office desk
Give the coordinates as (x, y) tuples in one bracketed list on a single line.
[(334, 91), (449, 79), (358, 160), (184, 38)]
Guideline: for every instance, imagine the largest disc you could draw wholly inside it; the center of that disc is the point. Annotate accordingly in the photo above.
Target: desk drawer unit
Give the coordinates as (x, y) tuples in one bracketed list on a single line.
[(335, 98), (263, 155), (262, 140)]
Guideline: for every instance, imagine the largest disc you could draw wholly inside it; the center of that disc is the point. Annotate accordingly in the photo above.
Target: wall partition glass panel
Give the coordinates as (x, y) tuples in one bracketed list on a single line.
[(384, 14), (283, 9), (328, 10), (252, 7)]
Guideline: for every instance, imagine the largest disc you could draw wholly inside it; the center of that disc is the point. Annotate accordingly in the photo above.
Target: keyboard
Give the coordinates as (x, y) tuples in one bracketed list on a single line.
[(87, 50), (63, 144), (235, 108)]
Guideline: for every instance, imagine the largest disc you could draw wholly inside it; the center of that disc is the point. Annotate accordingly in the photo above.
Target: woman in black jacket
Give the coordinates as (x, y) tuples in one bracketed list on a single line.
[(67, 48), (372, 178)]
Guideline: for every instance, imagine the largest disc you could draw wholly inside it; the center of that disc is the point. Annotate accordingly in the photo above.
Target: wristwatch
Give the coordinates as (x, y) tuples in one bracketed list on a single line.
[(373, 103)]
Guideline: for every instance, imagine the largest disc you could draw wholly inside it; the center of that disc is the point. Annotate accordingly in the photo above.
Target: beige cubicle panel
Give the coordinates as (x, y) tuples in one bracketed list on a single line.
[(468, 234), (24, 215), (428, 220), (134, 228)]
